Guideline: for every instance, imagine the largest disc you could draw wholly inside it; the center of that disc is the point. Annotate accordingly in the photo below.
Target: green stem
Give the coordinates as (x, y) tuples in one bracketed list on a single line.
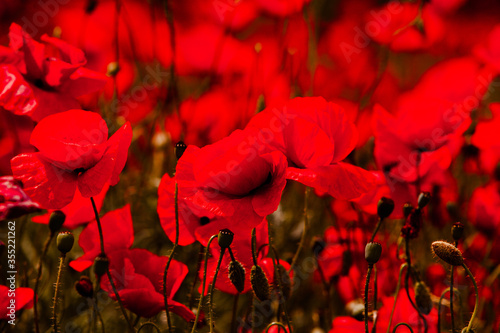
[(203, 284), (176, 243), (99, 227), (375, 290), (377, 227), (277, 273), (212, 290), (477, 297), (439, 310), (275, 324), (398, 287), (254, 247), (37, 281), (407, 279), (304, 232), (367, 283), (402, 324), (451, 300), (235, 311), (56, 291)]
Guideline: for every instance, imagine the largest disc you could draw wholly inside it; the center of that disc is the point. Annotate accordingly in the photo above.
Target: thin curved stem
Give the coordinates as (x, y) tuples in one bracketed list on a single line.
[(402, 324), (367, 284), (275, 324), (56, 291), (398, 287), (235, 311), (203, 284), (277, 273), (37, 281), (304, 232), (375, 291), (176, 243), (212, 290), (451, 300), (99, 227), (254, 247), (377, 227), (407, 279), (477, 297), (118, 299), (149, 324)]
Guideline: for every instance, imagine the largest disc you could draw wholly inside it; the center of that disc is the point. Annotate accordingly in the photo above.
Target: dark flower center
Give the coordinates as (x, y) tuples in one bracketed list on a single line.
[(204, 220), (79, 170)]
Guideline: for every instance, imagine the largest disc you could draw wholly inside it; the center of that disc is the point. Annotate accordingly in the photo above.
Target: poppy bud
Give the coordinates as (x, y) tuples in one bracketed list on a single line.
[(423, 199), (65, 241), (407, 209), (457, 231), (101, 265), (237, 275), (356, 309), (372, 252), (260, 284), (84, 287), (385, 207), (113, 69), (225, 238), (180, 148), (448, 253), (56, 220), (423, 297), (286, 282)]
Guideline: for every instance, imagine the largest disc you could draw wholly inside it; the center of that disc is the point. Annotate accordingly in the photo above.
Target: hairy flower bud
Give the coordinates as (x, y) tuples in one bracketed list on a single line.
[(448, 253), (385, 207), (65, 241), (237, 275), (373, 252), (225, 238), (260, 284), (423, 297)]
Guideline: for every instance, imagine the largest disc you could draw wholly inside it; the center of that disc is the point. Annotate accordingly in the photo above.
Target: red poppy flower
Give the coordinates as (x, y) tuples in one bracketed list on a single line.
[(23, 298), (489, 51), (78, 212), (73, 152), (15, 134), (315, 136), (484, 209), (137, 274), (54, 82), (118, 235), (489, 150), (230, 178), (13, 201)]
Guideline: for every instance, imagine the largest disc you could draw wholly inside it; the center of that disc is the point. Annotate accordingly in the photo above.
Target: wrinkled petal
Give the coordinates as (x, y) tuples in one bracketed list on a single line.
[(16, 94)]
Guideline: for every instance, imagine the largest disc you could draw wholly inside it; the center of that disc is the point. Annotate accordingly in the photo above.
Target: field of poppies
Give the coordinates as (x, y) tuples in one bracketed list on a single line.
[(237, 166)]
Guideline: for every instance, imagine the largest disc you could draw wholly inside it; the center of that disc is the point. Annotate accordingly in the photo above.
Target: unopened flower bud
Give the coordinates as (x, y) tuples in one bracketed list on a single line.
[(373, 251), (84, 287), (385, 207), (448, 253), (65, 241), (237, 275), (457, 231), (56, 220), (407, 209), (180, 148), (423, 297), (113, 69), (101, 265), (259, 282), (225, 238), (423, 199), (356, 309)]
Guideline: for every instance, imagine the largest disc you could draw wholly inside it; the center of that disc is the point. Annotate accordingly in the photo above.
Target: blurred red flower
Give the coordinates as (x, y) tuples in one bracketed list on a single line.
[(73, 152), (23, 298), (137, 274), (13, 201)]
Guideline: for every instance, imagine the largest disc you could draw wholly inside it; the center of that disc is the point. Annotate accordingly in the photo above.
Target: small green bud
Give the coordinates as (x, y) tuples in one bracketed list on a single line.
[(225, 238), (373, 251), (423, 297), (385, 207), (56, 221), (237, 275), (259, 282), (65, 241), (113, 69)]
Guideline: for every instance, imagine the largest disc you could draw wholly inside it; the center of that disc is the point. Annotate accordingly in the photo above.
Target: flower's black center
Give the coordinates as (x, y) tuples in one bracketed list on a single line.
[(79, 171), (204, 220), (269, 179), (38, 83)]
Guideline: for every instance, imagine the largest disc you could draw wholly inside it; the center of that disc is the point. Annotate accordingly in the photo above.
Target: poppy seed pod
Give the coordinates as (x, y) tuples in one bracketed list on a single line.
[(65, 241), (385, 207), (101, 265), (56, 220), (260, 284), (372, 252), (180, 148), (237, 275), (84, 287), (225, 238), (448, 253), (407, 209), (423, 297), (457, 231), (423, 199)]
